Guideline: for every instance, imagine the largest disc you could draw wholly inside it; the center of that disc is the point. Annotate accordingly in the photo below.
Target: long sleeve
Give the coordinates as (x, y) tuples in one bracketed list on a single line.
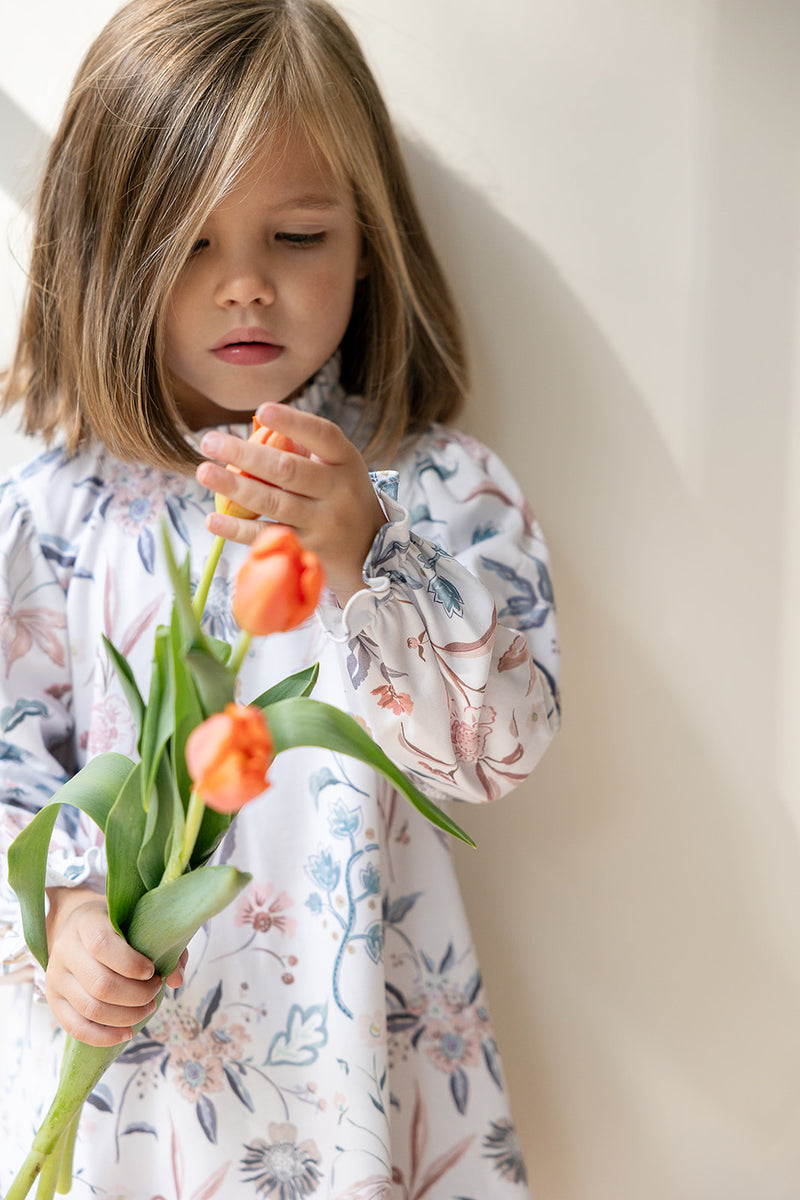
[(35, 721), (451, 654)]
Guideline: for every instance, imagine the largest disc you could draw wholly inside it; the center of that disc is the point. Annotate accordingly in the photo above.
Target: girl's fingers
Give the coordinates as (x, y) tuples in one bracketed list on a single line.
[(280, 468), (272, 503), (102, 944), (317, 434), (97, 1011)]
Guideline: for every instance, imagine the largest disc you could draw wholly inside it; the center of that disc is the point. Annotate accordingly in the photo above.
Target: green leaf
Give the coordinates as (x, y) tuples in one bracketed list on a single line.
[(129, 685), (181, 584), (216, 685), (124, 834), (304, 722), (93, 790), (152, 857), (159, 719), (166, 919), (300, 684)]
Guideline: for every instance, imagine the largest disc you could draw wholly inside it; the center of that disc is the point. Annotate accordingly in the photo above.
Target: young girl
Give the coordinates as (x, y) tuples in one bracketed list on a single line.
[(225, 227)]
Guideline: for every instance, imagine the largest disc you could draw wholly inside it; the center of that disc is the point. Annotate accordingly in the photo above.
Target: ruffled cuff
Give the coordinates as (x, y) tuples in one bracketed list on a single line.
[(391, 541), (17, 964)]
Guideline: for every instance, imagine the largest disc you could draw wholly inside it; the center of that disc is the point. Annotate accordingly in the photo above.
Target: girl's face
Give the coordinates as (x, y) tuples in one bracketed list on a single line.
[(267, 294)]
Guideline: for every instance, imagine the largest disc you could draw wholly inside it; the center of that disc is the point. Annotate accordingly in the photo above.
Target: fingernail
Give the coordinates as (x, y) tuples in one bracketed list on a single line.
[(211, 443)]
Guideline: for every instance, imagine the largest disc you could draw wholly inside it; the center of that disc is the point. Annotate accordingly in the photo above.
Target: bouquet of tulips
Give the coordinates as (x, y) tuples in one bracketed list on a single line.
[(201, 758)]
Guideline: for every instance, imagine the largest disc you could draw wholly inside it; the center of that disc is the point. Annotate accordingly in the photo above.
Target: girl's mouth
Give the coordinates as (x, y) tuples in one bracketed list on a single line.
[(248, 354), (247, 347)]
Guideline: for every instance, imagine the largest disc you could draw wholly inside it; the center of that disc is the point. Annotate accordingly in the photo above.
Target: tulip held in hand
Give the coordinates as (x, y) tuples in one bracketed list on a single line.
[(279, 585)]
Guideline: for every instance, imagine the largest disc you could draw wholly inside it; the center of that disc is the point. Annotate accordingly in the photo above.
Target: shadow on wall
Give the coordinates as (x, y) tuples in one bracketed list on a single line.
[(625, 899)]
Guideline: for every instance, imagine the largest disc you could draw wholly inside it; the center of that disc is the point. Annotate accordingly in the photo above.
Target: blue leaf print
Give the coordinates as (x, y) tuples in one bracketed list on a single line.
[(9, 753), (101, 1098), (141, 1051), (314, 903), (344, 822), (483, 533), (370, 879), (420, 513), (213, 1004), (545, 583), (38, 464), (207, 1116), (527, 610), (176, 517), (58, 550), (459, 1087), (446, 594), (319, 780), (473, 987), (358, 661), (238, 1088), (323, 870), (492, 1060), (305, 1034), (140, 1127), (448, 959), (399, 908), (10, 718), (374, 941), (428, 463), (507, 573), (147, 551)]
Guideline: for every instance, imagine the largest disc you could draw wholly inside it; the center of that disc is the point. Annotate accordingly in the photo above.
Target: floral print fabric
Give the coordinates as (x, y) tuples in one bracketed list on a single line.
[(332, 1037)]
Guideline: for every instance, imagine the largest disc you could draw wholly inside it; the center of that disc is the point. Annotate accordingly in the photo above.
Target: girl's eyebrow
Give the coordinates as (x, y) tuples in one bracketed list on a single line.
[(311, 200)]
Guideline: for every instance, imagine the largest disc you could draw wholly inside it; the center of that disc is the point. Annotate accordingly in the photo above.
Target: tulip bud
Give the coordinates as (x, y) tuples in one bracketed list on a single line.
[(263, 437), (228, 757), (278, 585)]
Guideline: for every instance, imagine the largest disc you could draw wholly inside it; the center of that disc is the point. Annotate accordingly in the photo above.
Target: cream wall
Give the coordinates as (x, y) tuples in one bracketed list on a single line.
[(614, 190)]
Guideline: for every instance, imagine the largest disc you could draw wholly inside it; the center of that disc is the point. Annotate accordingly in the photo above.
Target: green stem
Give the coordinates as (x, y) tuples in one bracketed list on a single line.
[(27, 1175), (65, 1175), (179, 859), (51, 1171), (239, 651), (201, 595)]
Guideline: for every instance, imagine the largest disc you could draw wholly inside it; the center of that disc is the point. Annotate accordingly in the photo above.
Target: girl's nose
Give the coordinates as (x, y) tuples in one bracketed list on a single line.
[(244, 283)]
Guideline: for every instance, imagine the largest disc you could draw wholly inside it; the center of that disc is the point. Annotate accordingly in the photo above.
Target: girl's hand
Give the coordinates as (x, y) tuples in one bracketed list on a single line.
[(327, 499), (98, 987)]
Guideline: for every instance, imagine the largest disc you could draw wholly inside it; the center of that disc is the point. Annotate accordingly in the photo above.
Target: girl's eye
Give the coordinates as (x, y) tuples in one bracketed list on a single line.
[(302, 240), (200, 244)]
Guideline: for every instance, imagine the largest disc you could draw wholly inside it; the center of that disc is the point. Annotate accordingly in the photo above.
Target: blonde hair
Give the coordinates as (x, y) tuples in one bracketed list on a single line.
[(161, 119)]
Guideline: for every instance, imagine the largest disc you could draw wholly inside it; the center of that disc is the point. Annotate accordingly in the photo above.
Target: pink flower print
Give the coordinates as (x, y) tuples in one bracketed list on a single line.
[(398, 702), (372, 1027), (111, 727), (21, 628), (254, 908), (227, 1041), (195, 1071), (469, 736), (452, 1044)]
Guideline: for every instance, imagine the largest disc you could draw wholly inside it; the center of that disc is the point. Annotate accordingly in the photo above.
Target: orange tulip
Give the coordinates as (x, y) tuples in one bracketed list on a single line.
[(264, 437), (278, 585), (228, 757)]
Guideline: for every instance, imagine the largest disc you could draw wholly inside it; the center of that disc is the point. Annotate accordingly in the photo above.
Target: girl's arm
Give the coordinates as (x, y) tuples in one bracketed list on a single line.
[(36, 732), (449, 643)]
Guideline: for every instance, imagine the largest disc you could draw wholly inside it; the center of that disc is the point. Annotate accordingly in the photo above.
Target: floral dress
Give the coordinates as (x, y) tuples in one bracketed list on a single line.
[(332, 1037)]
